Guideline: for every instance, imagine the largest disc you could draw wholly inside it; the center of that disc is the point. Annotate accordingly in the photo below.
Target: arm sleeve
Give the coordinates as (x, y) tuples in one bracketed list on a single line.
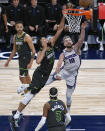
[(67, 119), (41, 123)]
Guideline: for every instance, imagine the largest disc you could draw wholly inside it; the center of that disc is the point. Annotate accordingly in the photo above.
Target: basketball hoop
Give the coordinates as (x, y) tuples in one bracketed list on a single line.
[(74, 17)]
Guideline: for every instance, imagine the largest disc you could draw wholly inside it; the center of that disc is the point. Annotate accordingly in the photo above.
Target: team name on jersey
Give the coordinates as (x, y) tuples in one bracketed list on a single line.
[(70, 56), (50, 55), (57, 107), (19, 43)]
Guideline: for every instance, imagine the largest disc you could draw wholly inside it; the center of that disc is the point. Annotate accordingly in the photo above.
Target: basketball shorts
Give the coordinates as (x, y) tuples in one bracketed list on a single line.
[(70, 77), (23, 62), (39, 80)]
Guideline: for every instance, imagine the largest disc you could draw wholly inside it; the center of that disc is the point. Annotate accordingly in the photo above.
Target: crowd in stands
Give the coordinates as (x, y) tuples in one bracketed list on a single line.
[(40, 18)]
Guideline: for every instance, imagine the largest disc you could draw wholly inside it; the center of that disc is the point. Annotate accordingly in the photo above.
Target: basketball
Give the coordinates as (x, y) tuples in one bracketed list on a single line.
[(86, 3)]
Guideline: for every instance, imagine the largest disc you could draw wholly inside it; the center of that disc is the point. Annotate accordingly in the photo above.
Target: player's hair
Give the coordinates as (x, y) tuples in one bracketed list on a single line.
[(74, 2), (69, 1), (40, 44), (19, 22), (53, 92), (65, 37)]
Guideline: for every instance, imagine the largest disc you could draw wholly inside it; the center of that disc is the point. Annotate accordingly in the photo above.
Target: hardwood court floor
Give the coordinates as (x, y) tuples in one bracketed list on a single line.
[(88, 98)]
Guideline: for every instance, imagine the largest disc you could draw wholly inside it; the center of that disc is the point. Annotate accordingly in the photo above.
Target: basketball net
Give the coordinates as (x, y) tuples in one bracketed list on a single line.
[(74, 17), (73, 23)]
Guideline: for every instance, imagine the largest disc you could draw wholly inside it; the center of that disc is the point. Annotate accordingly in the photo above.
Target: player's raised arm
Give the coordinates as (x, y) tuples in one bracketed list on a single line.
[(79, 44), (60, 61), (12, 54), (40, 56), (60, 29), (41, 53)]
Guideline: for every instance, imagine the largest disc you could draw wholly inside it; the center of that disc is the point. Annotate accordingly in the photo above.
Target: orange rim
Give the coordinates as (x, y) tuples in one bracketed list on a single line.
[(81, 12)]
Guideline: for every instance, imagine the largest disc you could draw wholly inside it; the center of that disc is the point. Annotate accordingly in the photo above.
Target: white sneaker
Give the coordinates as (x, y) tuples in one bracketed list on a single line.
[(97, 40), (22, 87), (101, 45), (101, 48), (85, 48)]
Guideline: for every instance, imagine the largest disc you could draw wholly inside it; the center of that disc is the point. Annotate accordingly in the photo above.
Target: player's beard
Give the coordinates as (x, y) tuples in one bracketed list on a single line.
[(20, 32), (69, 47)]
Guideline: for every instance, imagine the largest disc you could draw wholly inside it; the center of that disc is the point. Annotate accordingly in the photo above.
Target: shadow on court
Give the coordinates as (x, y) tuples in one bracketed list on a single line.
[(78, 123)]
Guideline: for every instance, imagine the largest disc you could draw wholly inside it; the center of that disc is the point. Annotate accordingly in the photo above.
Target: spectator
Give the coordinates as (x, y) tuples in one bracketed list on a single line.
[(44, 1), (3, 21), (15, 12), (53, 15), (25, 3), (62, 3), (35, 19), (99, 33)]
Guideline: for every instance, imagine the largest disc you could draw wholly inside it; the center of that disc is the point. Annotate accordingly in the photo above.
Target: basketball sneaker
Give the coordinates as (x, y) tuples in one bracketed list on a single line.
[(85, 46), (101, 48), (97, 40), (14, 123), (101, 44), (22, 87)]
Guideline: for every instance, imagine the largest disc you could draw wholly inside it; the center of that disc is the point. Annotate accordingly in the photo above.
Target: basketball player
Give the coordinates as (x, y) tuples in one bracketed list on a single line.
[(46, 60), (24, 46), (54, 112), (71, 58)]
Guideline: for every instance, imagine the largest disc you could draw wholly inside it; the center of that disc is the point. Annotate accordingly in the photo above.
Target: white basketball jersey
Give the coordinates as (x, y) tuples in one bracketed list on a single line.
[(71, 60)]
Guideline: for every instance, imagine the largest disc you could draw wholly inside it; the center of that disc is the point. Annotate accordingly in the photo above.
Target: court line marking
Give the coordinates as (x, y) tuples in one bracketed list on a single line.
[(75, 129), (36, 67)]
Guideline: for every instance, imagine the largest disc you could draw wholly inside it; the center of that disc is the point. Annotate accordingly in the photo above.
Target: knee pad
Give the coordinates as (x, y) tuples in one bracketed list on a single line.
[(28, 97), (70, 89)]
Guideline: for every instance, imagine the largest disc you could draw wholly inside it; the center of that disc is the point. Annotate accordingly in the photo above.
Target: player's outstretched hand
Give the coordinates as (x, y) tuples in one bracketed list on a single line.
[(29, 66), (84, 25), (58, 77), (6, 64)]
